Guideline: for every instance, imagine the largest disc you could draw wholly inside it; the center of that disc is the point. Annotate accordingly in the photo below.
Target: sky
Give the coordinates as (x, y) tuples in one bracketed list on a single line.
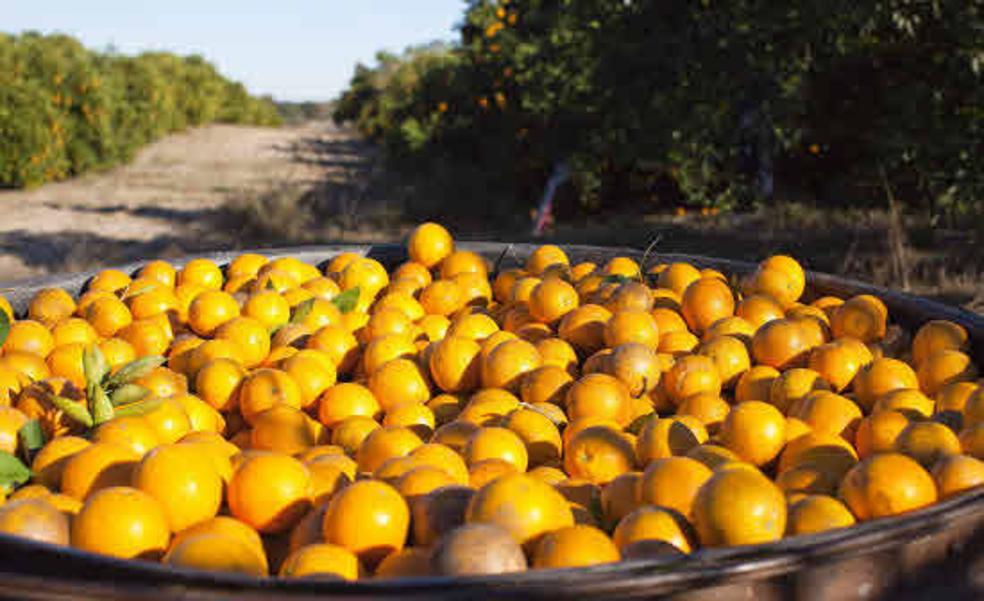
[(291, 49)]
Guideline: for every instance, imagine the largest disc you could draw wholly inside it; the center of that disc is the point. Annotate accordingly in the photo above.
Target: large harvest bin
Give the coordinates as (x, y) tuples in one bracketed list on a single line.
[(937, 551)]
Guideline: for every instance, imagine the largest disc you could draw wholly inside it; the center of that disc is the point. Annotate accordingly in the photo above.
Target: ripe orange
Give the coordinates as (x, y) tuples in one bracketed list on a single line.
[(50, 306), (201, 272), (109, 280), (668, 437), (429, 244), (673, 482), (526, 507), (756, 383), (739, 506), (598, 454), (321, 559), (313, 372), (955, 474), (216, 551), (545, 256), (250, 336), (369, 518), (211, 309), (631, 326), (678, 276), (909, 401), (691, 375), (284, 429), (345, 400), (270, 492), (945, 367), (817, 513), (507, 363), (927, 442), (601, 396), (574, 546), (705, 301), (887, 484), (35, 518), (649, 522), (130, 432), (880, 377), (584, 328), (781, 343), (27, 336), (399, 382), (863, 317), (454, 364), (938, 335), (878, 432), (218, 381), (265, 388), (538, 432), (188, 490), (122, 522), (825, 411), (759, 310), (755, 431), (730, 356), (385, 443)]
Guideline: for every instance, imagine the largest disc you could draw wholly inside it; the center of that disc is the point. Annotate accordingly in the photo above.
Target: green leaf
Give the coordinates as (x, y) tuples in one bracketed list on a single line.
[(134, 370), (13, 473), (128, 393), (31, 438), (139, 408), (101, 406), (302, 310), (4, 326), (73, 410), (347, 300), (95, 368)]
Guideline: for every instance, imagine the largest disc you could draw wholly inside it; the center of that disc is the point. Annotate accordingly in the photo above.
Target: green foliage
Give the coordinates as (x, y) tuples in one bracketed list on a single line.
[(705, 97), (65, 109)]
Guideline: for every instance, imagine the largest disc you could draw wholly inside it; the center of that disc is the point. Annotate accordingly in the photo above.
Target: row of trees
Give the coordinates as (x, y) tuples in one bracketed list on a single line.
[(65, 109), (722, 104)]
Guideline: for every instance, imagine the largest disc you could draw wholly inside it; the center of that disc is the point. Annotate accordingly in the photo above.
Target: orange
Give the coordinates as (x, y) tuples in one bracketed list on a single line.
[(463, 261), (882, 376), (352, 431), (538, 432), (216, 551), (599, 395), (28, 336), (123, 522), (598, 363), (678, 277), (887, 484), (878, 432), (691, 375), (631, 326), (65, 361), (734, 326), (781, 343), (730, 356), (211, 309), (284, 429), (159, 271), (668, 437), (637, 366), (711, 455), (906, 400), (163, 382), (369, 518), (574, 546), (825, 411), (455, 434), (345, 400), (73, 330), (35, 518), (707, 407), (109, 280), (972, 440), (938, 335), (546, 384), (551, 299), (476, 326), (927, 442), (382, 350), (524, 506), (49, 463), (178, 356), (496, 443), (340, 261), (415, 272), (863, 317), (416, 416), (598, 454), (168, 421), (673, 482), (506, 364), (49, 306), (313, 373), (269, 492), (454, 364), (130, 432), (705, 301), (817, 513), (146, 336), (488, 470), (250, 336), (664, 298), (399, 382), (954, 396), (429, 244), (584, 328), (441, 297), (755, 431), (385, 443), (321, 559), (759, 310), (503, 284), (475, 289), (265, 388), (739, 506), (154, 301), (945, 367), (649, 522), (188, 490), (246, 265), (618, 498), (793, 385), (201, 272), (217, 383), (28, 365), (545, 256), (338, 344), (837, 363), (756, 383), (955, 474)]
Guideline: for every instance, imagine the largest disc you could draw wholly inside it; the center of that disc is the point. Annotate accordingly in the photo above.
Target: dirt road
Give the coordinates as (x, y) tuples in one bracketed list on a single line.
[(172, 199)]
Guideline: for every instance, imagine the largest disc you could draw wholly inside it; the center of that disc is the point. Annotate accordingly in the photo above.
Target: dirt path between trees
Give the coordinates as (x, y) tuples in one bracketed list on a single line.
[(174, 198)]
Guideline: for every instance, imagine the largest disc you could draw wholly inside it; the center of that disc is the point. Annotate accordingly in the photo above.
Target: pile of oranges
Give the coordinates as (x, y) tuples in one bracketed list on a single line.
[(271, 417)]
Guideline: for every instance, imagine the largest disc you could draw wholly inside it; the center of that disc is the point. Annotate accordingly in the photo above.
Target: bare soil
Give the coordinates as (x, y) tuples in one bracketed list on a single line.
[(234, 187)]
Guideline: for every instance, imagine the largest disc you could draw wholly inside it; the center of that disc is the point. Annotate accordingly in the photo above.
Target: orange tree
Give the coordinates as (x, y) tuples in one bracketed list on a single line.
[(702, 102)]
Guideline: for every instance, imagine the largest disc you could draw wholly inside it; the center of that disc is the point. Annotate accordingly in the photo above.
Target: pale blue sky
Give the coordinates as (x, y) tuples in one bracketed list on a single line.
[(293, 49)]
